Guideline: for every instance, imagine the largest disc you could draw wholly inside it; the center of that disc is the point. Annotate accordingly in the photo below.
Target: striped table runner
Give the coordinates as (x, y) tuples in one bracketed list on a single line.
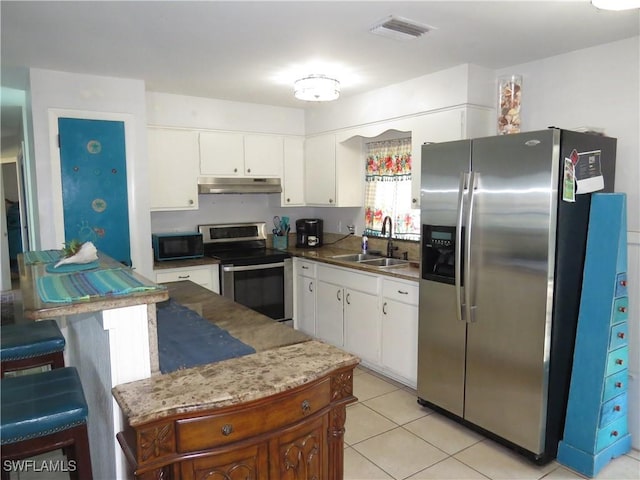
[(85, 285), (42, 256)]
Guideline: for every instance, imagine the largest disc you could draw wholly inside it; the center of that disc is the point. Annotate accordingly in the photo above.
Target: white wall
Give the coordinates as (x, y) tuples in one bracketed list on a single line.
[(52, 90), (599, 87)]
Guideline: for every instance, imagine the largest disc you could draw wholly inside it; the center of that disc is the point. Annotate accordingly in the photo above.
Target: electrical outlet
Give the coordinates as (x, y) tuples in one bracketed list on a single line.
[(352, 229)]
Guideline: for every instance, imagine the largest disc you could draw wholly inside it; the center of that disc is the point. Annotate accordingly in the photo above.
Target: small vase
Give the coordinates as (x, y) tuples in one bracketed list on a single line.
[(509, 100)]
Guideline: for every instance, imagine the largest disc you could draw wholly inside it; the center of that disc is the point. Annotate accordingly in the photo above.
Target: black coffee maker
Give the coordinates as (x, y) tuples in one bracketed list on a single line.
[(309, 233)]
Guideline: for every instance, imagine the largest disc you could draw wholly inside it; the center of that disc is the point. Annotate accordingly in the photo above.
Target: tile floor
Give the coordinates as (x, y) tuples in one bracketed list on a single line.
[(389, 436)]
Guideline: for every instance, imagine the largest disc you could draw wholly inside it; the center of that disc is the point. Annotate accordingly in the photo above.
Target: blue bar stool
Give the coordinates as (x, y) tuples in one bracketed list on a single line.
[(34, 344), (43, 412)]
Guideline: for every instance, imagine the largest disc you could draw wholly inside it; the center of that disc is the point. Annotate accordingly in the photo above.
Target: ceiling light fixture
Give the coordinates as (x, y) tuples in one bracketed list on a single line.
[(316, 88), (616, 4)]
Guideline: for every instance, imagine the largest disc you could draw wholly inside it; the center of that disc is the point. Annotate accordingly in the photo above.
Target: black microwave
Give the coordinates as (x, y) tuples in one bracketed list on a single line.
[(177, 245)]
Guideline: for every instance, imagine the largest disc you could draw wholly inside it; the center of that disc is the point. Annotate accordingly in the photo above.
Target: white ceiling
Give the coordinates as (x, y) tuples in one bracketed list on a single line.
[(252, 51)]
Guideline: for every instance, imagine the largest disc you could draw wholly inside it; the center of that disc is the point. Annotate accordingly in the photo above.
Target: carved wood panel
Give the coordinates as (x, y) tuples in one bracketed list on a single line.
[(302, 452), (250, 463)]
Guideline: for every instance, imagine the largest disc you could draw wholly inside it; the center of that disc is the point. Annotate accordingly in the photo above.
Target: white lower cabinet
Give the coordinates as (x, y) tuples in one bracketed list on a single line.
[(347, 311), (370, 315), (400, 329), (206, 276), (304, 315)]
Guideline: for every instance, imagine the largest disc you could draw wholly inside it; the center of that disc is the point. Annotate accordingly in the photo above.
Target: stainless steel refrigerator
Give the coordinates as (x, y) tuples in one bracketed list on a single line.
[(504, 224)]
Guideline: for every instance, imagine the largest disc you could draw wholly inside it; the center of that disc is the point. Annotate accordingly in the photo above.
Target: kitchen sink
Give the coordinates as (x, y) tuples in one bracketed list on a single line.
[(357, 257), (385, 262)]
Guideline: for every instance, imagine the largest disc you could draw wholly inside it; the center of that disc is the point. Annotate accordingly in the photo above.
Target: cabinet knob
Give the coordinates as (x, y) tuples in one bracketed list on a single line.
[(618, 384), (620, 334), (622, 309), (619, 361), (414, 200), (227, 429), (331, 200), (248, 170), (614, 433), (235, 170), (306, 406), (190, 202), (623, 283), (616, 408), (288, 200)]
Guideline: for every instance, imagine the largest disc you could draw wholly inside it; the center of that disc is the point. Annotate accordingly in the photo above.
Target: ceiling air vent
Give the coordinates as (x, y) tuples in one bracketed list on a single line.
[(399, 28)]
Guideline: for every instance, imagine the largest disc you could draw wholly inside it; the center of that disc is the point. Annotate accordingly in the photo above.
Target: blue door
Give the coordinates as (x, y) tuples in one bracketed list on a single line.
[(94, 184)]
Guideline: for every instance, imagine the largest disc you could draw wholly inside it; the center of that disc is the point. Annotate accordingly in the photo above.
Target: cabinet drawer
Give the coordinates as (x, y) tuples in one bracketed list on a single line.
[(621, 285), (201, 276), (617, 360), (215, 430), (611, 433), (306, 269), (349, 279), (613, 409), (620, 310), (615, 385), (400, 291), (619, 335)]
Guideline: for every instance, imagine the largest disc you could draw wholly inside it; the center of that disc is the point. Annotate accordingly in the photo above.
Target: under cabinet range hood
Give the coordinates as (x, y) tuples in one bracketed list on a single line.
[(238, 185)]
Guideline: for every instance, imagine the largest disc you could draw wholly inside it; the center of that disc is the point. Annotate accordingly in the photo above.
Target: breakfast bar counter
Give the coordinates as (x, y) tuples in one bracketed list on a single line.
[(107, 315)]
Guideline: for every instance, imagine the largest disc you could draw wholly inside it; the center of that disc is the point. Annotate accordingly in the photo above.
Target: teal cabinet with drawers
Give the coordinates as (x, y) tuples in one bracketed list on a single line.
[(596, 426)]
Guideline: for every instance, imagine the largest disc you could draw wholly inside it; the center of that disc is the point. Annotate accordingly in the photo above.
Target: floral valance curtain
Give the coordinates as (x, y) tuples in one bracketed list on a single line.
[(388, 189)]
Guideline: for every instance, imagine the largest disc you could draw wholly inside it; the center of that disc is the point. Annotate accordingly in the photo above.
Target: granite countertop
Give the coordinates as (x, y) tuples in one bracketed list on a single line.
[(36, 309), (248, 326), (229, 382), (324, 254), (187, 263)]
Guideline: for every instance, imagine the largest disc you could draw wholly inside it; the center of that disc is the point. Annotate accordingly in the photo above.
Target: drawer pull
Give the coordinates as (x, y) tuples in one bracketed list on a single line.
[(619, 361), (620, 334), (304, 267), (618, 384), (348, 299), (184, 276), (311, 287), (227, 429), (306, 407), (623, 283), (622, 309), (616, 408), (402, 292), (384, 308)]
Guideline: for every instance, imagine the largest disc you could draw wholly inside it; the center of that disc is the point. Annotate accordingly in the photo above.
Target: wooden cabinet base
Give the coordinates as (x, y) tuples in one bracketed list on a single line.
[(293, 435)]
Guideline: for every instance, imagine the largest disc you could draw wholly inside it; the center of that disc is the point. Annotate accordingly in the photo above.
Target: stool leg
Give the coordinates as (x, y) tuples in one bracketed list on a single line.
[(81, 454)]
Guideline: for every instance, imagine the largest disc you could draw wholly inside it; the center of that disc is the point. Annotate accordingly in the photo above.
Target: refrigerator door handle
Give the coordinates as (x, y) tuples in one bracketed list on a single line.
[(469, 288), (458, 250)]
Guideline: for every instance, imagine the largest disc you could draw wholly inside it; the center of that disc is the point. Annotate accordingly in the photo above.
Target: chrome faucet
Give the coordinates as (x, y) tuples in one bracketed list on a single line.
[(390, 247)]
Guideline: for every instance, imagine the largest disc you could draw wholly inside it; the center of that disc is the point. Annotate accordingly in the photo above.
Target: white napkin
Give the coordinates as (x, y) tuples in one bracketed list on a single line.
[(87, 253)]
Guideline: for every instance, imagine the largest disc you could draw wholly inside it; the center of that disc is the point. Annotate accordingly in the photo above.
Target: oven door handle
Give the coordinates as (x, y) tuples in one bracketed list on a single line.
[(245, 268)]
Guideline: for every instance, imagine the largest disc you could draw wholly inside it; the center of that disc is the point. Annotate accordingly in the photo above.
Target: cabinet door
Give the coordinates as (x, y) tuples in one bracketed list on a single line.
[(350, 171), (173, 169), (301, 453), (293, 175), (320, 170), (221, 154), (238, 464), (306, 305), (362, 325), (400, 338), (329, 315), (263, 155)]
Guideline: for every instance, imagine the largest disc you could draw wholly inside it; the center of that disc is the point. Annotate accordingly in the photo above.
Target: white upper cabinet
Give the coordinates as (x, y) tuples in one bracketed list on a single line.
[(173, 168), (263, 155), (240, 155), (293, 174), (334, 172), (221, 154)]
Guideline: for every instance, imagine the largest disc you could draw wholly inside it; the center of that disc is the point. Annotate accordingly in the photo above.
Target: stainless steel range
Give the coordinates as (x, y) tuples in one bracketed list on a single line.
[(250, 273)]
